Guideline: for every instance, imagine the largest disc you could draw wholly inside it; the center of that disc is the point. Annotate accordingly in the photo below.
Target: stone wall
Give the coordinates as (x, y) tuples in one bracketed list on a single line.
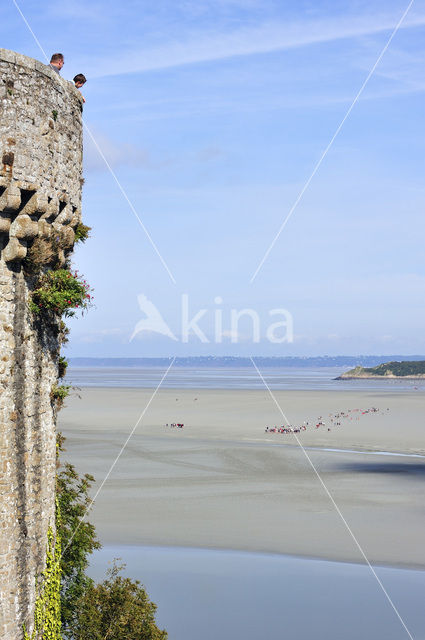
[(40, 195)]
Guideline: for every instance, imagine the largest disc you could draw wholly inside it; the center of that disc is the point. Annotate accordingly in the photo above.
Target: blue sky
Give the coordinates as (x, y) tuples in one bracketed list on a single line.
[(213, 114)]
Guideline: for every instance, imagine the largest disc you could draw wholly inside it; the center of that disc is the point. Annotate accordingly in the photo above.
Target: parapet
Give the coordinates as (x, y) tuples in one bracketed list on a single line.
[(40, 155)]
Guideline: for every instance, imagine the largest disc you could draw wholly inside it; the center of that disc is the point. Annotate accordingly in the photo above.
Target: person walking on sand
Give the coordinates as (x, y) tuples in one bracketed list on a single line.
[(56, 62)]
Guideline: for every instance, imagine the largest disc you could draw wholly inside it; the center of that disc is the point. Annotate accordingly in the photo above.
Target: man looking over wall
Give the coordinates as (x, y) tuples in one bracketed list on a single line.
[(56, 62)]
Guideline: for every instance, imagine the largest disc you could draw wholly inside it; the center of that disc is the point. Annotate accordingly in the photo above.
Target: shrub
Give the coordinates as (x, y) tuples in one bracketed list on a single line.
[(62, 367), (59, 393), (82, 232), (49, 252), (61, 292), (117, 608), (43, 252)]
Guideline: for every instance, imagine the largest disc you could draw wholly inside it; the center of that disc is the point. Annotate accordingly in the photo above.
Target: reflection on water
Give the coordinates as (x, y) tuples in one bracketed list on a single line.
[(206, 595), (321, 378)]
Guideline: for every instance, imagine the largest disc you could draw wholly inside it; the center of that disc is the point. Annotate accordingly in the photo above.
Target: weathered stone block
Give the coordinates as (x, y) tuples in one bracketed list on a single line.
[(4, 224), (23, 227), (44, 228), (68, 237), (7, 56), (13, 196), (41, 203), (40, 66), (14, 251)]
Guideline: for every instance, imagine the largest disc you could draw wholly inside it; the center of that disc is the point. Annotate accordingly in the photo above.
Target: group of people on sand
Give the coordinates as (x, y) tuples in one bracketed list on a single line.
[(56, 63), (335, 421), (285, 429)]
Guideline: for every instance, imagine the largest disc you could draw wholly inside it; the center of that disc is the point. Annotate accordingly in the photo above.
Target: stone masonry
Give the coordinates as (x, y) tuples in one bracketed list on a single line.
[(40, 195)]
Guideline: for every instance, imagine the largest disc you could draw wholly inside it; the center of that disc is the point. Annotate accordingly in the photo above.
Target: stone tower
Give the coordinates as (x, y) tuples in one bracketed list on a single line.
[(40, 195)]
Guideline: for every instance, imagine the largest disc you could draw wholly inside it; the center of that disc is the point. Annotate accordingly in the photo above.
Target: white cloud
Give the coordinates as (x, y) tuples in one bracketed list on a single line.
[(196, 47), (404, 69)]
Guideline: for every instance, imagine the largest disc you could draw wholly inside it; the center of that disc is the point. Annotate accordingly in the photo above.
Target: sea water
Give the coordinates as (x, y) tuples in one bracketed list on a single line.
[(207, 594), (290, 378)]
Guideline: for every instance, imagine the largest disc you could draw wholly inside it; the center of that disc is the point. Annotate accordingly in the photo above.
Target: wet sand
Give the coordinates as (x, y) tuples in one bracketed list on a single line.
[(222, 482)]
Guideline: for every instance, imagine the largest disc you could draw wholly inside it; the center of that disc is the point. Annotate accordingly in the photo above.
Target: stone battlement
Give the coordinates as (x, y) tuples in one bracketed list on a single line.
[(40, 155)]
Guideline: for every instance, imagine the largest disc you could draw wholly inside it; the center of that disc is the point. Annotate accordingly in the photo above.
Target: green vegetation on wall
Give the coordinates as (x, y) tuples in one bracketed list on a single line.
[(58, 394), (82, 232), (47, 618), (60, 291), (69, 604), (62, 367)]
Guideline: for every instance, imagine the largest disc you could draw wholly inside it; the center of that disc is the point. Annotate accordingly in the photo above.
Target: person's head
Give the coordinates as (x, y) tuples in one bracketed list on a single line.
[(57, 60), (79, 80)]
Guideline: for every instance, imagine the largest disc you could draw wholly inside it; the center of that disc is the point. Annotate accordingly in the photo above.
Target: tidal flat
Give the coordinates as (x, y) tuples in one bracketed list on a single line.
[(221, 482)]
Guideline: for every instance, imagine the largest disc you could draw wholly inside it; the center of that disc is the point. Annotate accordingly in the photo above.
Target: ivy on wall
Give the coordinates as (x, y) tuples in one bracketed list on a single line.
[(47, 612)]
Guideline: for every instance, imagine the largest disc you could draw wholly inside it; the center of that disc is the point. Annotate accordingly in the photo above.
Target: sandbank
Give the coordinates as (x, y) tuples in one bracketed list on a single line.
[(222, 482)]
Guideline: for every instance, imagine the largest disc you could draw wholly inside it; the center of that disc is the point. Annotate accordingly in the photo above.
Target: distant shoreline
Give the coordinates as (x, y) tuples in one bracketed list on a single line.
[(345, 361), (386, 377)]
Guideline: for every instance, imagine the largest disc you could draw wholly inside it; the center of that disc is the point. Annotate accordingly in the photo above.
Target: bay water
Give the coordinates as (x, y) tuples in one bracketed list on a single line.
[(205, 594)]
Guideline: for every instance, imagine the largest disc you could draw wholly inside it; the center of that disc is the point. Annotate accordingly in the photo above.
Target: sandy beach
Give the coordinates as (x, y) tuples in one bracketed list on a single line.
[(222, 482)]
